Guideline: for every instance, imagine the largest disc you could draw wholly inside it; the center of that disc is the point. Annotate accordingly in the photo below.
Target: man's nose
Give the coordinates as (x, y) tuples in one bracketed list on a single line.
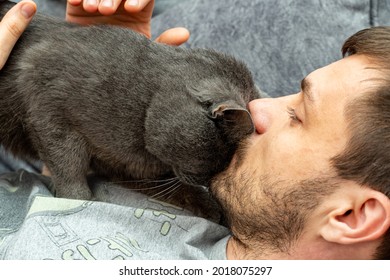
[(260, 110), (266, 111)]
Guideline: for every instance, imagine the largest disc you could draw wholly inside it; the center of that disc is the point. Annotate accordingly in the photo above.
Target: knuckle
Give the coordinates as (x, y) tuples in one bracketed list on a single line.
[(14, 29)]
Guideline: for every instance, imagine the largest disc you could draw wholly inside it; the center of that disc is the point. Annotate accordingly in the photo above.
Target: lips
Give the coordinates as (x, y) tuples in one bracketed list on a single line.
[(259, 115)]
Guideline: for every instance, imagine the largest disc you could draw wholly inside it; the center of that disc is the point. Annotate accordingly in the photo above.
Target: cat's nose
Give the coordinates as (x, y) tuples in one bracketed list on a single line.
[(260, 110)]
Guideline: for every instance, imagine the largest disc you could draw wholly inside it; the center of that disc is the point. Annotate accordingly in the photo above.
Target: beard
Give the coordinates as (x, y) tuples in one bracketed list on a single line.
[(264, 214)]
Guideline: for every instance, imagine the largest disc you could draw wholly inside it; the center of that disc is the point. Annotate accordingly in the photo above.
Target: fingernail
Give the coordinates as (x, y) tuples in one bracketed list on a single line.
[(27, 10), (133, 3), (107, 3), (92, 3)]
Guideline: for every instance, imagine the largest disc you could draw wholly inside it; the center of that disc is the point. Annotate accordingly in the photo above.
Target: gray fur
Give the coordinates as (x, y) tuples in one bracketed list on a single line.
[(108, 98)]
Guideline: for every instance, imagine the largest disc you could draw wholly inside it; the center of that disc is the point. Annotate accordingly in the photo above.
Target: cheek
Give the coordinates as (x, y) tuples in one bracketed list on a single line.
[(306, 156), (285, 156)]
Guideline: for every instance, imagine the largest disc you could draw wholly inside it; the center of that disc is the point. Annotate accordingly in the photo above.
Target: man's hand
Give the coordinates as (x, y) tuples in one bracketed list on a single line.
[(134, 14), (12, 26)]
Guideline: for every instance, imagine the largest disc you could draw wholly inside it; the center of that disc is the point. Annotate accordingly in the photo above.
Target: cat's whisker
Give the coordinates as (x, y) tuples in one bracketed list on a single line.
[(189, 180), (160, 194), (143, 184), (174, 190), (166, 191), (165, 185), (145, 181)]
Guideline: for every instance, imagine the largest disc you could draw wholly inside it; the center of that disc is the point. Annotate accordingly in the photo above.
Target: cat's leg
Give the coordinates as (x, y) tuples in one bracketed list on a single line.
[(67, 158)]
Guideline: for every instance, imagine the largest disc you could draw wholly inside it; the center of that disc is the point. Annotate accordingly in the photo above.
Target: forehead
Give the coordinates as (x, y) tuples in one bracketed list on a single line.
[(345, 79)]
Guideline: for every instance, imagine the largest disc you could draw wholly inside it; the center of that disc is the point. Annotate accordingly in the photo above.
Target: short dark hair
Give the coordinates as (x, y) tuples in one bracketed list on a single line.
[(366, 158)]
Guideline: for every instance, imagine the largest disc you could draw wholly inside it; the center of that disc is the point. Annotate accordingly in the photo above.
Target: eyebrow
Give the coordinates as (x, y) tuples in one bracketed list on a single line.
[(306, 87)]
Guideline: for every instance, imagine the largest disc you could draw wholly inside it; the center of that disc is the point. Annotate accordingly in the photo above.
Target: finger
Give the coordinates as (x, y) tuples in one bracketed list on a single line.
[(12, 26), (75, 2), (174, 37), (109, 7), (135, 6), (91, 6), (45, 171)]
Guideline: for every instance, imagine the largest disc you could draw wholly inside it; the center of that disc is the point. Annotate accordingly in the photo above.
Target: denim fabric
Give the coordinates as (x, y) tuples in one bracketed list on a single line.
[(282, 40)]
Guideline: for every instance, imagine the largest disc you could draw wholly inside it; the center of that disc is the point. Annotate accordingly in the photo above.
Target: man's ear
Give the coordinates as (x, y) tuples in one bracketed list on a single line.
[(360, 215)]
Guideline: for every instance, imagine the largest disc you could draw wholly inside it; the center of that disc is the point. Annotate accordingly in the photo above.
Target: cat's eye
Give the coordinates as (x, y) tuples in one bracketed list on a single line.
[(292, 114)]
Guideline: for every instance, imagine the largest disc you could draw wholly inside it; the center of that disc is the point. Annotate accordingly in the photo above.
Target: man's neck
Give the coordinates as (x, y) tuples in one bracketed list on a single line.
[(303, 250), (236, 250)]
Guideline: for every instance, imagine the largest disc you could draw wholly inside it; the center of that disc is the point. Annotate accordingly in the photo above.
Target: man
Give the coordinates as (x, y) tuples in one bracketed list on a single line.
[(311, 182)]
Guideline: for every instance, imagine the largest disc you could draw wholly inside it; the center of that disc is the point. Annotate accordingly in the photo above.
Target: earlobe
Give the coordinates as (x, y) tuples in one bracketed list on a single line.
[(365, 217)]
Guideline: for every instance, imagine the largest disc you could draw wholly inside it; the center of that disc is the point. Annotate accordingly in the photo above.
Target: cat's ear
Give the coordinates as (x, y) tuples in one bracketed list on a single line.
[(236, 119), (232, 117)]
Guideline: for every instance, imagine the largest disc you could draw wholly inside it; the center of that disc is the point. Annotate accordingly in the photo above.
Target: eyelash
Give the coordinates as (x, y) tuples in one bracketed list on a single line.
[(292, 114)]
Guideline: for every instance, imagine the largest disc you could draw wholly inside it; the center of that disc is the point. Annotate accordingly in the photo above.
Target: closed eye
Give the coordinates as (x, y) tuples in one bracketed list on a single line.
[(293, 116)]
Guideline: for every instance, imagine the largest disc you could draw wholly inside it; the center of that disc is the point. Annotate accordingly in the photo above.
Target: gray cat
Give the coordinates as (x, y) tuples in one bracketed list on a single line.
[(108, 99)]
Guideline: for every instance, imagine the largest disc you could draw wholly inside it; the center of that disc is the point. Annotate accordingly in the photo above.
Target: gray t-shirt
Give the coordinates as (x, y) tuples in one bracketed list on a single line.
[(35, 225)]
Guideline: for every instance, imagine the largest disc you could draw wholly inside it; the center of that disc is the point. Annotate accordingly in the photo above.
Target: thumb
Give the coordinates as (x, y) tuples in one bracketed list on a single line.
[(12, 26), (174, 37)]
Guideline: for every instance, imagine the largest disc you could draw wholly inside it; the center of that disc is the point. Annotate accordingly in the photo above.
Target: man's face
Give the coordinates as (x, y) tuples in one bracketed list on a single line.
[(281, 172)]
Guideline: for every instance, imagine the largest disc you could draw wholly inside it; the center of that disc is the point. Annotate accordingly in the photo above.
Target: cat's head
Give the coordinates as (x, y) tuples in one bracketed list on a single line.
[(197, 127)]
